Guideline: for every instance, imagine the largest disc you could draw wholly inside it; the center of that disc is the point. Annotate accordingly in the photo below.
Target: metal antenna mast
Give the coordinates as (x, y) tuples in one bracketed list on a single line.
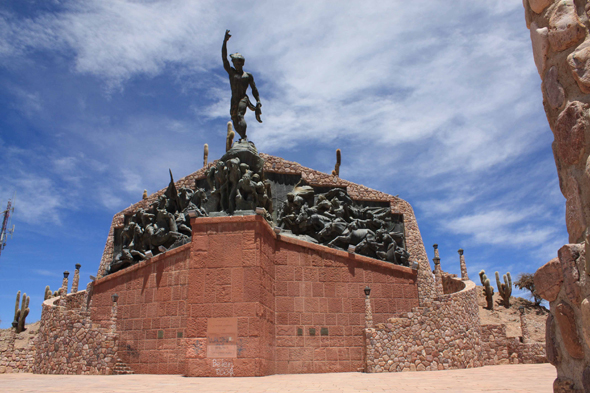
[(5, 223)]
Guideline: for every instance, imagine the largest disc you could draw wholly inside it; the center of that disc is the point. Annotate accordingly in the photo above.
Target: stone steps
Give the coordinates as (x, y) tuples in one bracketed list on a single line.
[(122, 368)]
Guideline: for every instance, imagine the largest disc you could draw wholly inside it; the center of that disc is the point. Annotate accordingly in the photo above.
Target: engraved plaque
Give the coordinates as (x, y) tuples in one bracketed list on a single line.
[(222, 338)]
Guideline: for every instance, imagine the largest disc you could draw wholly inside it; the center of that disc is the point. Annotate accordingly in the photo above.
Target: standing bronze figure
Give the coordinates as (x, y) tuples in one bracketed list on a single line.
[(239, 81)]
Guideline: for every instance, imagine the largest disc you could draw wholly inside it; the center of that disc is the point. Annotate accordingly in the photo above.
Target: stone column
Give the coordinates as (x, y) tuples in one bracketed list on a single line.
[(76, 278), (368, 310), (464, 275), (114, 298), (523, 325), (438, 276), (64, 284), (435, 246)]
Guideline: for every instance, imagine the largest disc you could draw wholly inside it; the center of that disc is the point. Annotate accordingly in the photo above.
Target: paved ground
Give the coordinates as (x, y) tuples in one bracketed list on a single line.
[(537, 378)]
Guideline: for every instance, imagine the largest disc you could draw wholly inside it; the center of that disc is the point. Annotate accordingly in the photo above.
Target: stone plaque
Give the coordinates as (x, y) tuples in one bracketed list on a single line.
[(222, 338)]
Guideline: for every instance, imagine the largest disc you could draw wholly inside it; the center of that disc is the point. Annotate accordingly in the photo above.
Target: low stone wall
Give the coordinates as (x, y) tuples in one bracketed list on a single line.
[(69, 343), (445, 335), (451, 284), (16, 354)]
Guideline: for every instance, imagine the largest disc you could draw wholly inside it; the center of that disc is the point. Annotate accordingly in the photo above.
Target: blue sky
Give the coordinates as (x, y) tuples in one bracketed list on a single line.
[(437, 101)]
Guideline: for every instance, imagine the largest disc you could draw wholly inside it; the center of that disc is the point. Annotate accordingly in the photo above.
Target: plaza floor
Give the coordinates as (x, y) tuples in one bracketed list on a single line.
[(536, 378)]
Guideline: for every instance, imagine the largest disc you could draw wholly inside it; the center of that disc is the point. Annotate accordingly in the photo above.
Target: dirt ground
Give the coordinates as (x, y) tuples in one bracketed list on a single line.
[(536, 315)]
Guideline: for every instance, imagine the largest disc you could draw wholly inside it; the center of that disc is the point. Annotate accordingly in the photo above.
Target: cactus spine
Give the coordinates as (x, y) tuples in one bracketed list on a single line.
[(505, 289), (336, 171), (230, 136), (488, 290), (20, 315)]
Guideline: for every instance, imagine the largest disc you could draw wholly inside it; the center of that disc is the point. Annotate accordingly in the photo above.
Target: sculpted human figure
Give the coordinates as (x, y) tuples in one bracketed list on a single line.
[(239, 81)]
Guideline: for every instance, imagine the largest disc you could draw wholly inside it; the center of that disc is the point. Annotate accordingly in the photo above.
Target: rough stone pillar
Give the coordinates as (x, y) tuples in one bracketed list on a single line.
[(368, 310), (435, 246), (437, 276), (464, 275), (76, 278), (523, 325), (114, 298), (64, 284)]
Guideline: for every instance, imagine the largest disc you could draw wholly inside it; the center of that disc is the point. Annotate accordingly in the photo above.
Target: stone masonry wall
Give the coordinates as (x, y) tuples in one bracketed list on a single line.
[(446, 335), (69, 343), (17, 354), (561, 51)]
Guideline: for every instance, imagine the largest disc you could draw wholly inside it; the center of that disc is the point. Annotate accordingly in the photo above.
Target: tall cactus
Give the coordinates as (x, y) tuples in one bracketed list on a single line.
[(336, 171), (505, 289), (488, 290), (48, 293), (21, 315), (205, 154)]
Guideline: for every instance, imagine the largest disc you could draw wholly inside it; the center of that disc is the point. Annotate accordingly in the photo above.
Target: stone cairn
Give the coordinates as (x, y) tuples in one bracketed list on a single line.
[(437, 272), (76, 279), (464, 275), (488, 290)]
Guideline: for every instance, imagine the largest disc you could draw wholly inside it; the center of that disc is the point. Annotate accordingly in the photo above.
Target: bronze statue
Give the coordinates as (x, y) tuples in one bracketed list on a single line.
[(239, 81)]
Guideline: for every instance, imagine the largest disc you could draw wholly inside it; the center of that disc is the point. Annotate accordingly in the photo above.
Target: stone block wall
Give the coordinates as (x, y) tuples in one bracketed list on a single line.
[(69, 343), (561, 50), (17, 354), (445, 335), (299, 306)]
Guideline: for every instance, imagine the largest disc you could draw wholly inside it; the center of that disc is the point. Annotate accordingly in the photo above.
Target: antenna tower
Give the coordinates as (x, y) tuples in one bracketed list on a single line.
[(5, 224)]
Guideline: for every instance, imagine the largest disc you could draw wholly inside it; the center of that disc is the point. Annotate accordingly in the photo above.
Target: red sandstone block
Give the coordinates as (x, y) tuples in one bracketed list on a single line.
[(332, 354), (196, 327), (342, 319), (331, 319), (294, 288), (284, 273), (249, 258), (307, 289), (175, 322), (357, 306), (254, 328), (343, 354), (249, 241), (317, 289), (244, 309), (285, 330), (380, 306), (282, 354), (223, 293), (285, 304), (282, 367), (319, 319), (306, 319), (283, 318), (336, 341), (311, 274), (298, 304), (222, 310), (295, 367), (410, 291), (319, 354), (379, 277), (329, 289), (356, 353), (291, 318), (356, 319), (285, 341), (176, 293), (311, 305), (293, 258), (335, 305)]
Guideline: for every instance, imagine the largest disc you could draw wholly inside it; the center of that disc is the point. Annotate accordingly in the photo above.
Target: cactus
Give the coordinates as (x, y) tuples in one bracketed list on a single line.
[(336, 171), (488, 290), (205, 154), (230, 136), (144, 196), (48, 293), (20, 315), (505, 289)]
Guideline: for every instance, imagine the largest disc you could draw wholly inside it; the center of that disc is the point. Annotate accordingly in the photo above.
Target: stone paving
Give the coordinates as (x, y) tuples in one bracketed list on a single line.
[(537, 378)]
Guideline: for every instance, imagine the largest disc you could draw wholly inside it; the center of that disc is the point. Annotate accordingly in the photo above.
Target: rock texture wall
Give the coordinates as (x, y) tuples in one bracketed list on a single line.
[(561, 50), (446, 335), (17, 353)]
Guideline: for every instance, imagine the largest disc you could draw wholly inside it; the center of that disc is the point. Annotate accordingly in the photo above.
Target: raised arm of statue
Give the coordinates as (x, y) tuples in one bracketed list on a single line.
[(224, 52)]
